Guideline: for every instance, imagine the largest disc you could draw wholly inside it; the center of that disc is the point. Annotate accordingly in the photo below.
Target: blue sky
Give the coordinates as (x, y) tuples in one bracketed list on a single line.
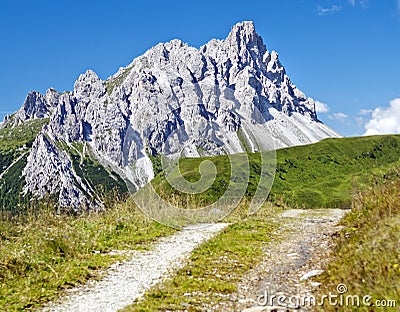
[(343, 53)]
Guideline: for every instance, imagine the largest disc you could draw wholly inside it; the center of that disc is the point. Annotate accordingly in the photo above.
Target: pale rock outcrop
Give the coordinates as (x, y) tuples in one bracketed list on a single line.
[(49, 171)]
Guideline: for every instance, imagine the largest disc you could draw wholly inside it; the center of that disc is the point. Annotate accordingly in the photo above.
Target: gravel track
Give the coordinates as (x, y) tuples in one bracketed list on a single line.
[(129, 280), (300, 252), (303, 246)]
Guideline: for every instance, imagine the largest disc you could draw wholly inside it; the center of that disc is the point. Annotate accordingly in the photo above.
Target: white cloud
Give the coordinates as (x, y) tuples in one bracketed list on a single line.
[(365, 111), (385, 120), (321, 107), (338, 116), (325, 11), (352, 2)]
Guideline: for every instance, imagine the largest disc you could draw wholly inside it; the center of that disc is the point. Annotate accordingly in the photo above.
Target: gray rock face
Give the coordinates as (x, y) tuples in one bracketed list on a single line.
[(35, 106), (172, 99), (49, 171)]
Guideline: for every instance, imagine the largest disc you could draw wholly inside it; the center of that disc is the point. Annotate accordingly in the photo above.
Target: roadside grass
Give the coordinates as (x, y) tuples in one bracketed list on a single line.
[(42, 253), (367, 254), (215, 267)]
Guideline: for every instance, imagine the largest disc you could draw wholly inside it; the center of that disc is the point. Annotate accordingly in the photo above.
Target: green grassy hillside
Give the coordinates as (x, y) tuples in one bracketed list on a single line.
[(325, 174)]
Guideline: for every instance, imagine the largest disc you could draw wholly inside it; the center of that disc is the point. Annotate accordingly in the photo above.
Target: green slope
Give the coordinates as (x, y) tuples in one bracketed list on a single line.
[(325, 174)]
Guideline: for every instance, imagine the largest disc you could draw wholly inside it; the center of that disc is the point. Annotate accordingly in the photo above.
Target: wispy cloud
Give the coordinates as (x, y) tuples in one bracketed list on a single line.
[(338, 116), (336, 8), (325, 11), (321, 107), (364, 111), (361, 3)]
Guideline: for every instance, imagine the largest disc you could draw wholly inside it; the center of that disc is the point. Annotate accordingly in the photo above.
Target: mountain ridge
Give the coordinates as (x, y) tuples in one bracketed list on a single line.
[(172, 99)]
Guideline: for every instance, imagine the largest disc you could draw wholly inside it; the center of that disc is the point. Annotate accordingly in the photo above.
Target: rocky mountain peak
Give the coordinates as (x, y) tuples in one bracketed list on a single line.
[(88, 84), (206, 101), (244, 36), (35, 106), (52, 97)]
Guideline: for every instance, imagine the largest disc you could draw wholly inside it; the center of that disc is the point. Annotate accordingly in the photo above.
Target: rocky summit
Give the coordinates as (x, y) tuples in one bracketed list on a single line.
[(173, 99)]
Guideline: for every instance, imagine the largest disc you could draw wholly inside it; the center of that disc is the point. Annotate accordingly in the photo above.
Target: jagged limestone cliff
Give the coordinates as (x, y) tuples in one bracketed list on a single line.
[(172, 99)]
